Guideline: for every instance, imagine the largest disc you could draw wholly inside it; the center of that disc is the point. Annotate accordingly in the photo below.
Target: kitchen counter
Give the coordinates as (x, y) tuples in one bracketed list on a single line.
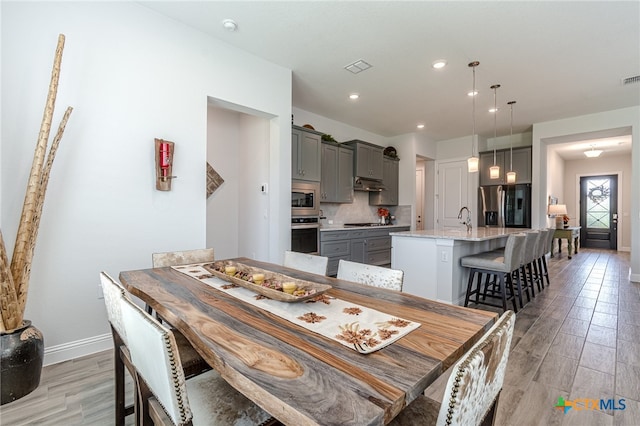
[(346, 228), (430, 259), (476, 234)]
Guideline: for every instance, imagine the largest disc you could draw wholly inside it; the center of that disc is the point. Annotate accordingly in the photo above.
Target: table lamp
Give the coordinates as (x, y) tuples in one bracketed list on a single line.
[(559, 210)]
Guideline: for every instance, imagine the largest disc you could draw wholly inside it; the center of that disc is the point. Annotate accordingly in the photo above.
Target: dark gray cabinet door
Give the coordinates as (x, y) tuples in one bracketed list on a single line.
[(389, 196), (359, 250), (345, 176), (369, 161), (305, 155), (521, 164), (329, 177)]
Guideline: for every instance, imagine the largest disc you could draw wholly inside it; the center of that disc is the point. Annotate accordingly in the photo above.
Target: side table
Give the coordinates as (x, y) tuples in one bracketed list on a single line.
[(571, 234)]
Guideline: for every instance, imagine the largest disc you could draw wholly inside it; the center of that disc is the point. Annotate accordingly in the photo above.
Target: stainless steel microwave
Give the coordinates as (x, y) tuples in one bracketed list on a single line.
[(305, 198)]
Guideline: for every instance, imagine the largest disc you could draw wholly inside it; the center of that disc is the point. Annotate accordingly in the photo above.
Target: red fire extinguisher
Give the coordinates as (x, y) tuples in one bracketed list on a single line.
[(164, 161)]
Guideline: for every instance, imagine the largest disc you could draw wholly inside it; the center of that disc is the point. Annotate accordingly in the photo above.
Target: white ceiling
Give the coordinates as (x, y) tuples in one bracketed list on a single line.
[(556, 59)]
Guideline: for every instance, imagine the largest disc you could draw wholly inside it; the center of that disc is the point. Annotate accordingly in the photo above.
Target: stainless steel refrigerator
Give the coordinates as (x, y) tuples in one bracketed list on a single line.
[(506, 206)]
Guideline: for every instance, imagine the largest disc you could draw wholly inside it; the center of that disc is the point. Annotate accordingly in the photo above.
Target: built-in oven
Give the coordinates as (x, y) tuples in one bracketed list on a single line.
[(305, 198), (305, 235)]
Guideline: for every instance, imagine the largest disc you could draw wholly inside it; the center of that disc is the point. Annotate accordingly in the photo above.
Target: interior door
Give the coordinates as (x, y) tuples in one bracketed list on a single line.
[(419, 199), (599, 212), (452, 193)]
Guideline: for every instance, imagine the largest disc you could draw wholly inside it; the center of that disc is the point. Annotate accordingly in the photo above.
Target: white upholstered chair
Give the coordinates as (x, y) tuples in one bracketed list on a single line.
[(471, 394), (306, 262), (173, 258), (372, 275), (166, 397), (191, 361)]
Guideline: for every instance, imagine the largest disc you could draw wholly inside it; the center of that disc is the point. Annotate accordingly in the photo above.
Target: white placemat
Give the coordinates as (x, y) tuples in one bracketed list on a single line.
[(362, 329)]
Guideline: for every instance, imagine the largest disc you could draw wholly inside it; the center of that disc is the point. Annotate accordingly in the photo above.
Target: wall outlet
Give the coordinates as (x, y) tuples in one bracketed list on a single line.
[(444, 256)]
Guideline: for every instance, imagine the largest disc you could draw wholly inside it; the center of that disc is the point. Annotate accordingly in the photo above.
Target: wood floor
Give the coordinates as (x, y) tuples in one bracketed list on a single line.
[(579, 338)]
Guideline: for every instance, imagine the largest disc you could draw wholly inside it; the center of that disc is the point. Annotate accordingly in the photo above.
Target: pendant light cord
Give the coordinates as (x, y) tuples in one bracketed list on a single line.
[(495, 118)]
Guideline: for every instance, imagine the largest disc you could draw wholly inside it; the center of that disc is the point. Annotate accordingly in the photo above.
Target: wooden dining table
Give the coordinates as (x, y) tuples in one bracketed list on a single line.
[(301, 377)]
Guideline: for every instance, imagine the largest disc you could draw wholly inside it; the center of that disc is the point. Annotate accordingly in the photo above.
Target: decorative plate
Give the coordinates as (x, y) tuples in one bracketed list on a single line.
[(272, 284)]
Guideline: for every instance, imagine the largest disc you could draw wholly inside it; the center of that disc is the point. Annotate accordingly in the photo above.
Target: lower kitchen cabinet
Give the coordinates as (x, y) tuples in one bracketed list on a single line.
[(370, 246)]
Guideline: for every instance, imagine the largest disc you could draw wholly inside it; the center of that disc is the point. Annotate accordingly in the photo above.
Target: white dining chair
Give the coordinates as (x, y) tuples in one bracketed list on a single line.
[(166, 397), (372, 275), (190, 360), (306, 262), (472, 391), (174, 258)]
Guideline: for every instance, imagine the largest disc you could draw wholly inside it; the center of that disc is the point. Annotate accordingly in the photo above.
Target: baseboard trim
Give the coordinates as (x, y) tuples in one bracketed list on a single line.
[(634, 277), (77, 349)]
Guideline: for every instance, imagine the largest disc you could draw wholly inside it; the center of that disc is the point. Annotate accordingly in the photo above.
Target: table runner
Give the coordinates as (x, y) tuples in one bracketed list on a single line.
[(362, 329)]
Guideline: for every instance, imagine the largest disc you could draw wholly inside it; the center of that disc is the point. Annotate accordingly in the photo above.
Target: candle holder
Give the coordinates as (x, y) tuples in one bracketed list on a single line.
[(164, 164)]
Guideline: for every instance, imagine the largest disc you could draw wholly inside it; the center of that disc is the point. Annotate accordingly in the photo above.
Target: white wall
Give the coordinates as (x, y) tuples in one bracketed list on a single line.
[(131, 75), (555, 184), (549, 132), (223, 150), (605, 165)]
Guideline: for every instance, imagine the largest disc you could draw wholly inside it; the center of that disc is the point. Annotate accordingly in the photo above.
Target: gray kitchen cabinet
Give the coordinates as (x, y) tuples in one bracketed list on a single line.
[(371, 246), (336, 183), (521, 165), (305, 154), (390, 179), (368, 160)]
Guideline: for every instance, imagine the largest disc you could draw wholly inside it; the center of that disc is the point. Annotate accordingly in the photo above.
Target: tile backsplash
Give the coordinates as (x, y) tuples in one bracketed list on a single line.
[(361, 212)]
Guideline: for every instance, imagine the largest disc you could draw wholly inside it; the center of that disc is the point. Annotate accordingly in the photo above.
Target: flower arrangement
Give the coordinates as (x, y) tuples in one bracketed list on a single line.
[(565, 219), (382, 212)]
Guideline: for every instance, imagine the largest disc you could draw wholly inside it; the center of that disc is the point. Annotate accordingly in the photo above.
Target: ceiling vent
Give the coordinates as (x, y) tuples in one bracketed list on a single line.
[(357, 66), (631, 80)]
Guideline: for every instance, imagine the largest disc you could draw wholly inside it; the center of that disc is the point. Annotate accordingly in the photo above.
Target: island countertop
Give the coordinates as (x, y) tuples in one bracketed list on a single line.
[(476, 234)]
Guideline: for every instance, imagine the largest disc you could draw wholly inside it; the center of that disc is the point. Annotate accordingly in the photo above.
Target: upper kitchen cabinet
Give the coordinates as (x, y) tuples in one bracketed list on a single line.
[(305, 154), (368, 160), (336, 185), (389, 195), (521, 165)]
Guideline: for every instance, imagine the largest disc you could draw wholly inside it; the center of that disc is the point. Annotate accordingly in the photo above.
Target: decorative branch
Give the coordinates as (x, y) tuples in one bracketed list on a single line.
[(20, 267), (9, 312)]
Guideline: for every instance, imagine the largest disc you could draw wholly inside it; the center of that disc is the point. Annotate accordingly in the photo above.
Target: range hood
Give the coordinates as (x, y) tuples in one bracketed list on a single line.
[(364, 184)]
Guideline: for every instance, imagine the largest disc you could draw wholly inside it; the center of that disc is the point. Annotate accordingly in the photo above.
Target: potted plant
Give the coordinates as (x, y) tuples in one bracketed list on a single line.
[(22, 344)]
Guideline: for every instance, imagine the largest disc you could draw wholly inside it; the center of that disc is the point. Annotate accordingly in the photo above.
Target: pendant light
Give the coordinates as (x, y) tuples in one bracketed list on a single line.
[(472, 162), (494, 171), (511, 176)]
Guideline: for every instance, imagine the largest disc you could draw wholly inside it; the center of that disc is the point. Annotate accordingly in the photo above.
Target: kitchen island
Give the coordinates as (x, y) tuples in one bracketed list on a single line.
[(430, 259)]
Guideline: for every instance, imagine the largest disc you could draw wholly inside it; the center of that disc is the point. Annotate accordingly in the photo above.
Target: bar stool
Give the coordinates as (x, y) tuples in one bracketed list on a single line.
[(498, 263), (528, 256), (543, 248)]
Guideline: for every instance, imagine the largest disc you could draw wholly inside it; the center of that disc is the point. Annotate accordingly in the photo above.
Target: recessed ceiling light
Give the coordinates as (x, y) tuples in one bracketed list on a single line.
[(354, 96), (229, 25), (420, 126), (440, 63), (472, 93)]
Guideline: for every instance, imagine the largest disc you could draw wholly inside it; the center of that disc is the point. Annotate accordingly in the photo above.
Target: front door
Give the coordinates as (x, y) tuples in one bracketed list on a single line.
[(599, 211)]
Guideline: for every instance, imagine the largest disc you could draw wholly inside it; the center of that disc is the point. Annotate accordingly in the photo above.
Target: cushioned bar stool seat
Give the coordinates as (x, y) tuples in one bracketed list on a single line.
[(500, 265), (544, 247)]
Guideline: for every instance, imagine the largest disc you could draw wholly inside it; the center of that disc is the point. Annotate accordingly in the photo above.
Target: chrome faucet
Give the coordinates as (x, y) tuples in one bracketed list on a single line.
[(467, 221)]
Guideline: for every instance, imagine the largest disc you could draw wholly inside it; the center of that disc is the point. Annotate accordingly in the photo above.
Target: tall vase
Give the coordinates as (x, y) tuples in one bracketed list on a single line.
[(21, 357)]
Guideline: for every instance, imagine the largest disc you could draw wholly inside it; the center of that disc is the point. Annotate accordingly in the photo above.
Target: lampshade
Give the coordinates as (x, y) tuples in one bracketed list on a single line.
[(557, 209), (593, 152), (472, 162), (494, 172), (511, 177)]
